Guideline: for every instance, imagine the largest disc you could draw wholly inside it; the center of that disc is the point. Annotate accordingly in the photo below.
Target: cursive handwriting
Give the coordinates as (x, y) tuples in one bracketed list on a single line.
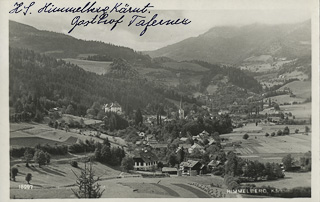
[(103, 14), (102, 19), (90, 7), (153, 22)]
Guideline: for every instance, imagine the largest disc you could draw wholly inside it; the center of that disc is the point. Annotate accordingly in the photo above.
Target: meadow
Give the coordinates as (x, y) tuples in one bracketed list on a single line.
[(91, 66)]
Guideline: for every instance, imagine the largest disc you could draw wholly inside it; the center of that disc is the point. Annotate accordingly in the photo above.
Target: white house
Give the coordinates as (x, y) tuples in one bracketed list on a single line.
[(113, 107)]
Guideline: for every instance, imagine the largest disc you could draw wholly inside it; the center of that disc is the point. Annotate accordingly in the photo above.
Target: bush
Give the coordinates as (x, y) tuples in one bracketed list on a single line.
[(74, 164), (296, 131), (245, 136), (28, 177), (286, 131), (14, 173), (273, 134), (127, 164), (279, 133), (267, 135)]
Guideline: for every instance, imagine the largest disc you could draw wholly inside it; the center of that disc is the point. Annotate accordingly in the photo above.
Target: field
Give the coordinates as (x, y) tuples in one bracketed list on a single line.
[(57, 179), (270, 149), (302, 89), (300, 111), (184, 66), (291, 180), (91, 66), (33, 134)]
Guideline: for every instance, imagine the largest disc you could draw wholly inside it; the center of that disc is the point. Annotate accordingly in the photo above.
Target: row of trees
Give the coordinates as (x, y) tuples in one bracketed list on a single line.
[(251, 170)]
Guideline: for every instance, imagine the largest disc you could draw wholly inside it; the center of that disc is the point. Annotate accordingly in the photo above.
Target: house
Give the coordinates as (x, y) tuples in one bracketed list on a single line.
[(113, 107), (169, 170), (204, 134), (197, 137), (214, 163), (158, 146), (223, 112), (141, 134), (190, 167), (212, 141), (185, 146), (145, 160), (196, 146)]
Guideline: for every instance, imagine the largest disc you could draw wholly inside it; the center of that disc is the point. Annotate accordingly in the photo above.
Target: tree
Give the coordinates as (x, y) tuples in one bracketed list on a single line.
[(87, 183), (286, 131), (173, 160), (14, 172), (28, 156), (287, 162), (70, 109), (127, 163), (307, 129), (40, 157), (279, 133), (28, 177), (276, 107), (245, 136), (48, 157), (180, 155), (138, 117)]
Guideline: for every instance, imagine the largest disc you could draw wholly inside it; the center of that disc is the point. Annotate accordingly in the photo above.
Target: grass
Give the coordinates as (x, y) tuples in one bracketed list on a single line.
[(270, 149), (290, 181), (197, 192), (32, 141), (302, 89), (91, 66), (184, 66)]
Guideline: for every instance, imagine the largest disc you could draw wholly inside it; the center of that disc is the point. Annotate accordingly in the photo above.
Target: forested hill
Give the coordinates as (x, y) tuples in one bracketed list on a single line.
[(236, 76), (63, 46), (232, 44), (39, 83)]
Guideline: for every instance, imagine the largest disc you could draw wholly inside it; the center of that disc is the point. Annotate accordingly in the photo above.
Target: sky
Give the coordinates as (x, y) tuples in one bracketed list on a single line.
[(203, 14)]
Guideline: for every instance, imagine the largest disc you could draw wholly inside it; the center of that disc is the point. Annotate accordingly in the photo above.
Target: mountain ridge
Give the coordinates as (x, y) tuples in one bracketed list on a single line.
[(232, 44)]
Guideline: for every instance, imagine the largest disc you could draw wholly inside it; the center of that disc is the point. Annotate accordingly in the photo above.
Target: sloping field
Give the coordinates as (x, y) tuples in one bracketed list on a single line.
[(33, 134), (32, 141), (290, 181), (184, 66), (57, 175), (301, 89), (281, 99), (91, 66)]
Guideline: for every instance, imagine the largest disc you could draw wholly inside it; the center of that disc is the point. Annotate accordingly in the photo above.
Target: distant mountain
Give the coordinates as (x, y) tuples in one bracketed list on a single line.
[(63, 46), (226, 44)]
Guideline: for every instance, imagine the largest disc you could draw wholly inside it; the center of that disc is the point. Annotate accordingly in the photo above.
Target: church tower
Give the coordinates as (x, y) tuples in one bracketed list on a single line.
[(181, 111)]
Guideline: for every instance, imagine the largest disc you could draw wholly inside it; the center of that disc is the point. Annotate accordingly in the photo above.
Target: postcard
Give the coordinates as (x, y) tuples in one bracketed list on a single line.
[(161, 100)]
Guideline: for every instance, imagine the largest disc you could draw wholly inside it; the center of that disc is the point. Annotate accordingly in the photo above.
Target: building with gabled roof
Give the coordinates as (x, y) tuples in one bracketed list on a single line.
[(144, 160), (188, 166), (113, 107)]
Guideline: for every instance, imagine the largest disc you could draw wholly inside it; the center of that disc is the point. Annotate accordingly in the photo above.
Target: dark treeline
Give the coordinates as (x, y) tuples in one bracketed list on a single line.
[(236, 76), (38, 83), (50, 42)]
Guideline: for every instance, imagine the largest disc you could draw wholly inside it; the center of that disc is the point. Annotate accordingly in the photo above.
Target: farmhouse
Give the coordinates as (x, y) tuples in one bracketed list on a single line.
[(113, 107), (145, 160), (190, 167), (169, 170), (196, 146)]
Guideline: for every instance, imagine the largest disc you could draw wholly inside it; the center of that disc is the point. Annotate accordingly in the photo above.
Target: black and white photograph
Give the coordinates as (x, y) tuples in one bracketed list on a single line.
[(160, 99)]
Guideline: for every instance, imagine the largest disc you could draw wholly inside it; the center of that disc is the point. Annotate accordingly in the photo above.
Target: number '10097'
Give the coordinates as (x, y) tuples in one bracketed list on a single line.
[(25, 186)]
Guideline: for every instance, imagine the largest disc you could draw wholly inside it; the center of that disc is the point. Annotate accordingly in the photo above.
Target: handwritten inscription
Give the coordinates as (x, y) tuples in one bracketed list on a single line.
[(104, 15)]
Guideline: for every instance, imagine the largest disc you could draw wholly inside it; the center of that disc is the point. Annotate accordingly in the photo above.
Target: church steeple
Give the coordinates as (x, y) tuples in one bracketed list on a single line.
[(181, 111)]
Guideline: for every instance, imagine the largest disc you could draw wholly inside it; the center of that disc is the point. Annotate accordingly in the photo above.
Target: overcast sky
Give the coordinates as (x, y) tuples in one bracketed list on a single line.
[(204, 15)]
